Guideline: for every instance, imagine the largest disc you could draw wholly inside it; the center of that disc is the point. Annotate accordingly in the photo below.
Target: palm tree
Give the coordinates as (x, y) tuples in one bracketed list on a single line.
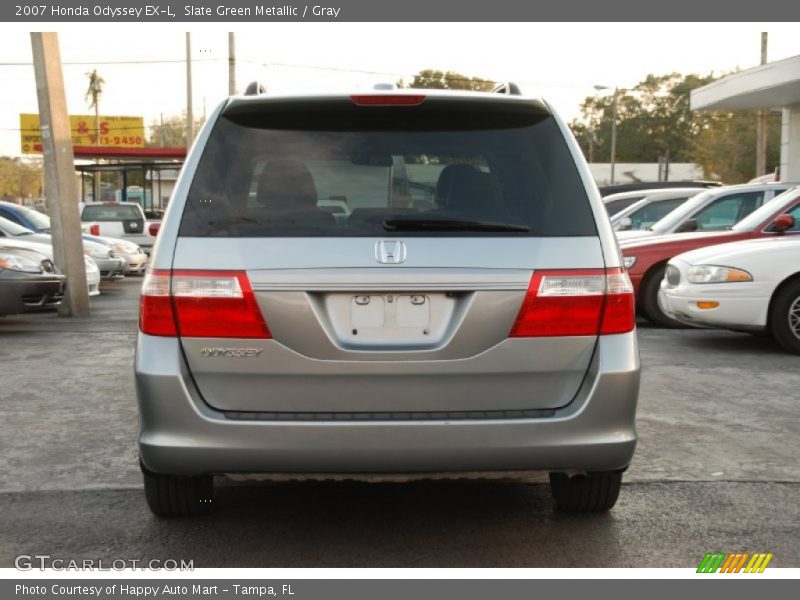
[(93, 96)]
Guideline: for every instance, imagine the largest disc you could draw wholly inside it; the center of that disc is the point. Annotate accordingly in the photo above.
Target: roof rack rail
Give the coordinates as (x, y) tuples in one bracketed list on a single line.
[(509, 87), (255, 88)]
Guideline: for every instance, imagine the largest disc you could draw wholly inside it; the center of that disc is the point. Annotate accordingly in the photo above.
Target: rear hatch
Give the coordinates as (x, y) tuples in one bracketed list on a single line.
[(380, 256), (116, 220)]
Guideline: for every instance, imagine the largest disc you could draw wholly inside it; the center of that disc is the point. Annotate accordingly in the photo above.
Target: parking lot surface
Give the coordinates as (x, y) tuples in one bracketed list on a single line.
[(717, 468)]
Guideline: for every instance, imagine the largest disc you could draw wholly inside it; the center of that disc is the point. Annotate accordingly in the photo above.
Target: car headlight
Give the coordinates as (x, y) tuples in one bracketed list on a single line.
[(14, 262), (628, 261), (716, 274), (91, 266)]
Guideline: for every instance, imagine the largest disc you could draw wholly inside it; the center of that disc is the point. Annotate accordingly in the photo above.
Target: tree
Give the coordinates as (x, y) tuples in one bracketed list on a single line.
[(655, 123), (725, 147), (446, 80), (170, 131), (19, 179)]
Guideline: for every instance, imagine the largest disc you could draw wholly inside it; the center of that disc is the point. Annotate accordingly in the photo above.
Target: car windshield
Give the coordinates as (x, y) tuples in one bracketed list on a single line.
[(680, 214), (40, 220), (13, 229), (773, 207), (434, 173)]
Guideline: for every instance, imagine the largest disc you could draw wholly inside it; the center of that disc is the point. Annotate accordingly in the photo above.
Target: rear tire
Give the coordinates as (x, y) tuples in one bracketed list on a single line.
[(595, 492), (649, 300), (178, 496), (784, 317)]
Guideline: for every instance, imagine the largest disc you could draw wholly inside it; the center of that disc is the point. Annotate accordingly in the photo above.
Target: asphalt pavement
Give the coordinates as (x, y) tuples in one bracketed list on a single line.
[(717, 468)]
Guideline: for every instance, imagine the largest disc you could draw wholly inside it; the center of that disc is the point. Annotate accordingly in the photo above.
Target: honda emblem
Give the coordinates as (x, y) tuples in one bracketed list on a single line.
[(390, 252)]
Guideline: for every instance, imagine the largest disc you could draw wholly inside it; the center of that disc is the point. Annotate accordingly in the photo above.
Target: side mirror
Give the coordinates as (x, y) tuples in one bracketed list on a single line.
[(624, 224), (687, 226), (782, 223)]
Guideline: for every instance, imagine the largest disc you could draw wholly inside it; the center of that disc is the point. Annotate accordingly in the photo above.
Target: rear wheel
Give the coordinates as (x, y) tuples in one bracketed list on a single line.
[(649, 300), (593, 492), (784, 317), (176, 495)]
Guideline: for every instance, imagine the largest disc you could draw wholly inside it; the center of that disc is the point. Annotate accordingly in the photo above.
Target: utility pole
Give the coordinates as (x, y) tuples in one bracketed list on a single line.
[(189, 113), (614, 133), (59, 168), (231, 64), (761, 127)]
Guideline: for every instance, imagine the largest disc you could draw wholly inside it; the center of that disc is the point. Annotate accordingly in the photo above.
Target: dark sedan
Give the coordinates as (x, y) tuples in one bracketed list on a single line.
[(28, 281)]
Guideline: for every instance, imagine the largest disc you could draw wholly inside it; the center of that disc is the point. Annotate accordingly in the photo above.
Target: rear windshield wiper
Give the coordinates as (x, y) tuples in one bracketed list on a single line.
[(450, 225)]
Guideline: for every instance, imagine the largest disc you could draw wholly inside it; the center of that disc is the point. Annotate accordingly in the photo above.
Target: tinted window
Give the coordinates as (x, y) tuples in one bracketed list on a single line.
[(725, 212), (315, 174), (110, 212), (655, 211), (614, 206)]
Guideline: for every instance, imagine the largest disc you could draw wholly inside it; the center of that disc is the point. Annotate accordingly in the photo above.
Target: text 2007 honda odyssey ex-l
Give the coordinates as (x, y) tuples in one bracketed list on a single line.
[(386, 283)]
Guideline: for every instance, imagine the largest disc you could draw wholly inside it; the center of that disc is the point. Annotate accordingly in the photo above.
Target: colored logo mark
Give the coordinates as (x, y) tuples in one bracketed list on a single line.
[(720, 562)]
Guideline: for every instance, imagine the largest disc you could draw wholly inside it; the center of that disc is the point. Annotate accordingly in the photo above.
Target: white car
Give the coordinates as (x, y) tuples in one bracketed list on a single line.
[(716, 209), (744, 286), (120, 220), (92, 271)]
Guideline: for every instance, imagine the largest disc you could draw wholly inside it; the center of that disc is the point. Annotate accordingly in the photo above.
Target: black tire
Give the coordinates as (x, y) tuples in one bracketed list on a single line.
[(178, 496), (784, 317), (595, 492), (648, 298)]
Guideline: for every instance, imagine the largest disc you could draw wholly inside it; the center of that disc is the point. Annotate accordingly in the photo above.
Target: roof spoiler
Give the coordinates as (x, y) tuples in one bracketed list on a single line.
[(508, 87), (255, 88)]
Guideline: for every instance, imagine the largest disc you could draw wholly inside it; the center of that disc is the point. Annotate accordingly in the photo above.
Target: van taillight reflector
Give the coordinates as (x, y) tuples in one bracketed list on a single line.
[(576, 302), (388, 100), (216, 304), (94, 229)]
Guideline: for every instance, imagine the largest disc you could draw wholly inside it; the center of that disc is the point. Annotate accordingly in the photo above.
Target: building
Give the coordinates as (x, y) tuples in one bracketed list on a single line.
[(772, 86)]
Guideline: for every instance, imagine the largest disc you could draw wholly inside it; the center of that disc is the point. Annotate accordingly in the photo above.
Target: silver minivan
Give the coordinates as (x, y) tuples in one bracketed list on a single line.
[(401, 283)]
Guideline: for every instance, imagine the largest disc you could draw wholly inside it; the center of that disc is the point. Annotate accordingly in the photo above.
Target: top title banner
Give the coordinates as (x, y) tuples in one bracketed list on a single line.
[(404, 10)]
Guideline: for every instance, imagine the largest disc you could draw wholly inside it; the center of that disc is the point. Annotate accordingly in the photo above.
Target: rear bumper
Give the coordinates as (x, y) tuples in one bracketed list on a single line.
[(180, 434), (111, 268)]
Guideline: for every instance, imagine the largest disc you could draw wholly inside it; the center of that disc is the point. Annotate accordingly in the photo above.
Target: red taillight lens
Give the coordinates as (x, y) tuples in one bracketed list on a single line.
[(94, 229), (218, 304), (154, 228), (156, 316), (576, 302), (388, 100)]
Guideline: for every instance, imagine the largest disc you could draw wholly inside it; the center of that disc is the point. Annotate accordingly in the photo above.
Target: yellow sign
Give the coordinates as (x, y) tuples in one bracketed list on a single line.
[(115, 132)]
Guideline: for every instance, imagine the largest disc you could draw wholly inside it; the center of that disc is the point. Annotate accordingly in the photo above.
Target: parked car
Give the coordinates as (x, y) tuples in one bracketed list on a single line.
[(28, 281), (637, 186), (108, 260), (136, 259), (646, 259), (92, 272), (650, 209), (744, 286), (712, 210), (121, 220), (492, 332), (37, 221)]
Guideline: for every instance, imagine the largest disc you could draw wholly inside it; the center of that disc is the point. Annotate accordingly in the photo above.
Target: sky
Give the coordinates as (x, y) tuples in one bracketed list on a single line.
[(560, 62)]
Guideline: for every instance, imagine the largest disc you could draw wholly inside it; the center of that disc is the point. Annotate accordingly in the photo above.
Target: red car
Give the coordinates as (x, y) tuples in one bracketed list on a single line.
[(646, 258)]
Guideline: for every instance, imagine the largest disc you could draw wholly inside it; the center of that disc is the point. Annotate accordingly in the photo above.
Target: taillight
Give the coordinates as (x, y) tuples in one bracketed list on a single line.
[(576, 302), (154, 228), (388, 100), (94, 229), (218, 304)]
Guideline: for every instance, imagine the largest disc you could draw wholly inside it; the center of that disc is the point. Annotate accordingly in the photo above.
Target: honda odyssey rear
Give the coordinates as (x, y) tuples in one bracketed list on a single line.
[(386, 284)]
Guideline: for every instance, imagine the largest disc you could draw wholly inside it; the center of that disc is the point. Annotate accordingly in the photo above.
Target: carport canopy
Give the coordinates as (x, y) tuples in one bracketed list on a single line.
[(773, 85)]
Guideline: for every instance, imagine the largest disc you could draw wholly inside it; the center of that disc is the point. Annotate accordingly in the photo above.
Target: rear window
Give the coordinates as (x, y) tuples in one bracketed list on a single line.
[(369, 171), (111, 212)]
